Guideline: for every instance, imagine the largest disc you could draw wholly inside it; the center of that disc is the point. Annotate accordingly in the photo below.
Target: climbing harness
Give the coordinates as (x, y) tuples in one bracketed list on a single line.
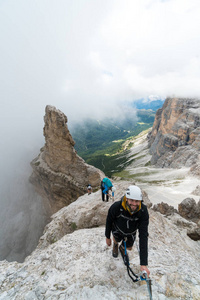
[(136, 277)]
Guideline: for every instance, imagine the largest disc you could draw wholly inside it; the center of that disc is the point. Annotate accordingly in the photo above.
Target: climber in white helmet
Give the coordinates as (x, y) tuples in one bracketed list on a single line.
[(124, 218)]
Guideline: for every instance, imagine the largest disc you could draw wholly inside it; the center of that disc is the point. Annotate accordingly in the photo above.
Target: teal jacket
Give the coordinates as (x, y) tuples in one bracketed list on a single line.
[(107, 184)]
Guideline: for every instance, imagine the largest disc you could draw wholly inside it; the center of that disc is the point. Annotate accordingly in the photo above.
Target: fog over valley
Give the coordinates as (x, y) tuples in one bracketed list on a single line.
[(88, 59)]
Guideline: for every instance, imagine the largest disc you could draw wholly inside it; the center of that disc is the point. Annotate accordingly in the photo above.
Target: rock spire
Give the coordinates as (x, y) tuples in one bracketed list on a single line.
[(59, 174)]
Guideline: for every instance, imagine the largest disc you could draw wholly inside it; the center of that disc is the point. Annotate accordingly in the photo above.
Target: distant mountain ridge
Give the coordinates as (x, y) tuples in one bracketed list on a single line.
[(148, 103)]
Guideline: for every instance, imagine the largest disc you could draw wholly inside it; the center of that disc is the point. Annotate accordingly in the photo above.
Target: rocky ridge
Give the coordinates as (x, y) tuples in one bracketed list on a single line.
[(59, 174), (72, 260), (175, 137)]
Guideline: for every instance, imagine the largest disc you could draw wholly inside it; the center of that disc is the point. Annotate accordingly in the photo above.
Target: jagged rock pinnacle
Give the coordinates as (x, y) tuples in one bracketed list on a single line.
[(59, 174)]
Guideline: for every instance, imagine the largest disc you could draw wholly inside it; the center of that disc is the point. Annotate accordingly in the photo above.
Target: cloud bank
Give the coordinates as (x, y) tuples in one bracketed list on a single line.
[(87, 58), (84, 54)]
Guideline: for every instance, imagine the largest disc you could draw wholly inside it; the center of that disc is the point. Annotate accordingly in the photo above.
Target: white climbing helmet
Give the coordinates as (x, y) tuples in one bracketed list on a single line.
[(113, 188), (134, 192)]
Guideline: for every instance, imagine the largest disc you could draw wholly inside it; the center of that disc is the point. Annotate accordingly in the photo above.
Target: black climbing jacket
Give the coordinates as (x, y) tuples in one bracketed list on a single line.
[(127, 224)]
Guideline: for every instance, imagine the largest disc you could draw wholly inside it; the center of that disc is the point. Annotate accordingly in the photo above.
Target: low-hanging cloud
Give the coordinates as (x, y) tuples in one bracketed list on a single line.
[(81, 54), (88, 58)]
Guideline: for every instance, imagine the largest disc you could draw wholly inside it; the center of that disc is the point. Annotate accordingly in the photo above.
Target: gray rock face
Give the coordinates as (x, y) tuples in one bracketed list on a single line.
[(164, 209), (189, 209), (59, 174), (87, 211), (194, 234), (197, 191), (175, 137), (79, 265)]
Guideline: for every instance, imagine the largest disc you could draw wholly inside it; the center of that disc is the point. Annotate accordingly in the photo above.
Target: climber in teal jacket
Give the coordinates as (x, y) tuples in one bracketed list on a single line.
[(106, 185)]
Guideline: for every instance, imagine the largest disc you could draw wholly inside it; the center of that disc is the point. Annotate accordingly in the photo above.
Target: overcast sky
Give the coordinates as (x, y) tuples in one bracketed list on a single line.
[(89, 56), (86, 58)]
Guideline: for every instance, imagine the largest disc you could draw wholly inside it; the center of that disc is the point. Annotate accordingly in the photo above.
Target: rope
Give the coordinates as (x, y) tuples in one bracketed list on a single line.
[(134, 277), (126, 262)]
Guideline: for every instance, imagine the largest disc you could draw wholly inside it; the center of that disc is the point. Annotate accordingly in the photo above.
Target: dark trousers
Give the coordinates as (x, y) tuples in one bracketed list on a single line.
[(104, 195)]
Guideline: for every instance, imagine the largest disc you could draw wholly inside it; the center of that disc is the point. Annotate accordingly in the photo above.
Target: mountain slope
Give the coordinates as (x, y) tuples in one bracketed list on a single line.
[(98, 141), (79, 265), (149, 103)]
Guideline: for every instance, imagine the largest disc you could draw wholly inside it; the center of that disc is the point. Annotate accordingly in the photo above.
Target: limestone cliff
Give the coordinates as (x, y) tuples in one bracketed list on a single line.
[(175, 138), (59, 174)]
